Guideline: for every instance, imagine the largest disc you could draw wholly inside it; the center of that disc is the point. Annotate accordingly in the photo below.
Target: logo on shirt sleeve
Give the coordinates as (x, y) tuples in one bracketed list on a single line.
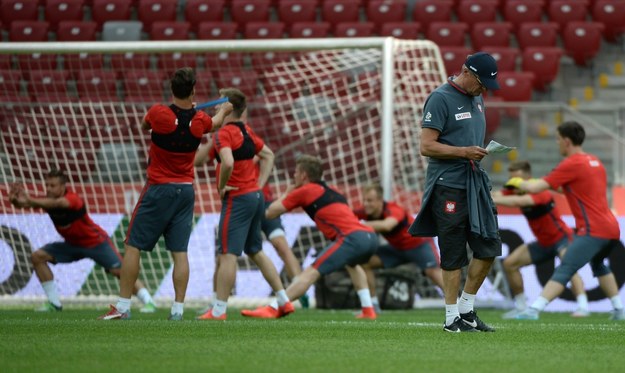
[(428, 117)]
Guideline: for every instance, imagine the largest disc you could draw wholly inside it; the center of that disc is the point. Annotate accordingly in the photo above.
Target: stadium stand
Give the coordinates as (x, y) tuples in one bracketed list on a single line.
[(309, 30), (109, 10), (339, 11), (454, 57), (122, 31), (506, 57), (18, 10), (519, 12), (427, 11), (63, 10), (447, 33), (537, 34), (475, 11), (544, 62), (170, 30), (244, 11), (29, 31), (76, 31), (292, 11), (564, 11), (216, 31), (582, 41), (264, 30), (198, 11), (150, 11), (490, 34), (610, 13), (381, 11), (401, 30), (353, 29)]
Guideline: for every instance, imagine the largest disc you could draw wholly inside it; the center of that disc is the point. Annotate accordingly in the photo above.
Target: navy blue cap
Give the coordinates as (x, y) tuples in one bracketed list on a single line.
[(485, 67)]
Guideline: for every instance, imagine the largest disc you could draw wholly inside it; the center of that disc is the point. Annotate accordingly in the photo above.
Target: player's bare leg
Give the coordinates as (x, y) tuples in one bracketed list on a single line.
[(128, 276), (477, 272), (140, 291), (518, 258), (226, 275), (359, 279), (40, 260), (304, 281), (180, 278), (373, 263), (291, 264), (436, 275)]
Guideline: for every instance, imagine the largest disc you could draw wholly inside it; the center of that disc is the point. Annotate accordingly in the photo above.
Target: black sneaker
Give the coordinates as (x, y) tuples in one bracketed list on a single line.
[(471, 319), (458, 326)]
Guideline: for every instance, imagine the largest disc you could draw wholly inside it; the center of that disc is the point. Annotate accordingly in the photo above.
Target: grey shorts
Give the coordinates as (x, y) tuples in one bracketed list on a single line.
[(585, 249), (162, 209), (540, 253), (105, 254), (424, 256), (355, 248), (239, 224)]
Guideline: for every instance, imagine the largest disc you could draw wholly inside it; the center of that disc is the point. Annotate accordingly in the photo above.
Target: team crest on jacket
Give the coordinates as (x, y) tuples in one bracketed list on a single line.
[(450, 207)]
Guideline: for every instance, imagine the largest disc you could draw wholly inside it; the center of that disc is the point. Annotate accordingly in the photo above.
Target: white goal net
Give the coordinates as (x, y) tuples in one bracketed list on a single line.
[(356, 103)]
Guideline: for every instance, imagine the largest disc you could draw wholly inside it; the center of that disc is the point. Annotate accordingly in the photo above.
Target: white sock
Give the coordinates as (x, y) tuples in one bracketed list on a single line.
[(282, 297), (274, 304), (451, 312), (582, 302), (365, 298), (177, 308), (144, 296), (540, 303), (375, 301), (123, 305), (520, 302), (465, 304), (49, 287), (616, 302), (219, 307)]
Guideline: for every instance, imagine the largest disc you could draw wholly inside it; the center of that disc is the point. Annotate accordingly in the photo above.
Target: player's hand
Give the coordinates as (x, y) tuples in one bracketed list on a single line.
[(226, 108), (226, 189), (475, 153), (514, 183)]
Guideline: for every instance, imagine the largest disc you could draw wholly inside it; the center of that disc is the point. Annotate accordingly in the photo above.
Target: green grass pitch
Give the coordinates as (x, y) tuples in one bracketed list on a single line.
[(307, 341)]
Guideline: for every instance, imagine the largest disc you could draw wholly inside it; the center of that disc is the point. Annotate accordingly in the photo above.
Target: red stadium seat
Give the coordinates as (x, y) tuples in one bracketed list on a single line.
[(428, 11), (544, 62), (339, 11), (216, 61), (518, 12), (506, 57), (204, 86), (246, 81), (143, 86), (36, 61), (447, 33), (18, 10), (76, 31), (582, 41), (291, 11), (537, 34), (565, 11), (48, 84), (121, 63), (168, 30), (198, 11), (263, 61), (309, 30), (492, 114), (244, 11), (151, 11), (515, 86), (97, 85), (63, 10), (110, 10), (169, 62), (29, 31), (217, 31), (75, 63), (475, 11), (611, 13), (10, 82), (264, 30), (401, 30), (490, 34), (382, 11), (454, 57), (353, 29)]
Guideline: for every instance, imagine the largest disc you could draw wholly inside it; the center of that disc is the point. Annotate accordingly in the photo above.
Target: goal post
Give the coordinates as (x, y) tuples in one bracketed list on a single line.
[(354, 102)]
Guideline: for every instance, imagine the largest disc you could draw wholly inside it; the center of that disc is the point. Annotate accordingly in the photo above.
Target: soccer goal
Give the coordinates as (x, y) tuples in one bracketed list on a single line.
[(356, 103)]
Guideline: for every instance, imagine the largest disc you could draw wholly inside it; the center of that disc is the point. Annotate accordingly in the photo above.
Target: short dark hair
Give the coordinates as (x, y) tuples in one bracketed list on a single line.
[(377, 187), (182, 83), (573, 131), (311, 165), (520, 166), (236, 98), (55, 172)]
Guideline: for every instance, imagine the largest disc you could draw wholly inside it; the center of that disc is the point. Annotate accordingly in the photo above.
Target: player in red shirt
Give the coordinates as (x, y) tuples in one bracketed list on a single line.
[(552, 238), (243, 206), (165, 206), (352, 242), (392, 221), (83, 238), (583, 180)]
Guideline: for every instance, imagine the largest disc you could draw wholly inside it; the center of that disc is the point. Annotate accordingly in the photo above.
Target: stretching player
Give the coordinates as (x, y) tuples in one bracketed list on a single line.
[(83, 238), (552, 238), (352, 242)]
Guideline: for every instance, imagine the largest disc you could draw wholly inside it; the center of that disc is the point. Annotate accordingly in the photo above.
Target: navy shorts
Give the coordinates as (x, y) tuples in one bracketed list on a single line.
[(239, 224), (162, 209), (424, 256), (454, 229), (585, 249), (269, 226), (540, 253), (105, 254), (355, 248)]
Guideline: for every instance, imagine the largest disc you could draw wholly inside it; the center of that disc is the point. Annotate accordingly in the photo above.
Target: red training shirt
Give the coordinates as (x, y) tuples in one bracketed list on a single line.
[(549, 228), (77, 228)]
